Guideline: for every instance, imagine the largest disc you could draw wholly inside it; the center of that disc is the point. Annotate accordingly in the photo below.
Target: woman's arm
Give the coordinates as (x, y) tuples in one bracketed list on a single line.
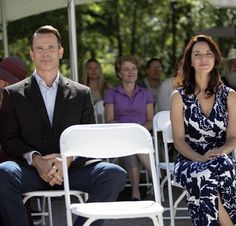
[(109, 113), (150, 115), (177, 122), (230, 143)]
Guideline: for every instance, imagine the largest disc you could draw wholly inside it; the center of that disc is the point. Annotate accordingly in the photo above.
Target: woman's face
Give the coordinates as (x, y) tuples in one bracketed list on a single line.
[(93, 70), (128, 72), (202, 57)]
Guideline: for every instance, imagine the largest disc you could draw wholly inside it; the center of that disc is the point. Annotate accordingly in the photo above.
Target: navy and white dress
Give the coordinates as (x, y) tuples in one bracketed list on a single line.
[(204, 180)]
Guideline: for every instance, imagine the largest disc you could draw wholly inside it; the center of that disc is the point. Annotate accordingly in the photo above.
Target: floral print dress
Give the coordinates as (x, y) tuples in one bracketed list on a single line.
[(205, 180)]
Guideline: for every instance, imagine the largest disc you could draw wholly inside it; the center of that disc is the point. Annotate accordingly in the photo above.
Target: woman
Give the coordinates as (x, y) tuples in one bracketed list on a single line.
[(203, 117), (130, 103), (93, 77)]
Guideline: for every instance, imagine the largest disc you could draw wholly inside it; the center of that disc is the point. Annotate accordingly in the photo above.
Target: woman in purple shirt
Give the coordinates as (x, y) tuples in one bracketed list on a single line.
[(128, 103)]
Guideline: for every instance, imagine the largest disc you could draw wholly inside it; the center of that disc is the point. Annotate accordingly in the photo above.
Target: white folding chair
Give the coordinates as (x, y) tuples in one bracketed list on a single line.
[(159, 120), (99, 112), (168, 139), (234, 154), (47, 195), (110, 141)]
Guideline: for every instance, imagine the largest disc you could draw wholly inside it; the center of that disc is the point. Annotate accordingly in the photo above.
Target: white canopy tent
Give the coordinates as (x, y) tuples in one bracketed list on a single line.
[(11, 10)]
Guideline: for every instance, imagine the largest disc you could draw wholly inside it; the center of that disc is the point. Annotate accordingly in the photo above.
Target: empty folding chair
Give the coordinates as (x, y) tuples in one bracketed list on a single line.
[(110, 141)]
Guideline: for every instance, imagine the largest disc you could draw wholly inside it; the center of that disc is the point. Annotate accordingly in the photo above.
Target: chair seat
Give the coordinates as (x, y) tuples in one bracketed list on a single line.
[(116, 210), (51, 193), (163, 165)]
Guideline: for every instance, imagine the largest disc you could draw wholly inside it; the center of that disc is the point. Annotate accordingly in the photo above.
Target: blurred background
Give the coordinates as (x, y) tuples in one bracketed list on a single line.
[(111, 28)]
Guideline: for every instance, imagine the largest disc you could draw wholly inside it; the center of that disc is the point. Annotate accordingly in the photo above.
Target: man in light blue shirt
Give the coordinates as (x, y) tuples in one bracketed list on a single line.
[(34, 113)]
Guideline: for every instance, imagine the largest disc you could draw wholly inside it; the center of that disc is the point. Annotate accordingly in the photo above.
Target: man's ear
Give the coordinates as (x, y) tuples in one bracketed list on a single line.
[(61, 52), (31, 54)]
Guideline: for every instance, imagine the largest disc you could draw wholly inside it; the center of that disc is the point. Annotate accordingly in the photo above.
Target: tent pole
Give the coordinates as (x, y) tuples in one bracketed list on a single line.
[(4, 28), (72, 38)]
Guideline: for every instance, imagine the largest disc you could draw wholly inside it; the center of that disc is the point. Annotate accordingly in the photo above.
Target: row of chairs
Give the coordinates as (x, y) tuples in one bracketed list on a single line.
[(47, 195), (111, 133)]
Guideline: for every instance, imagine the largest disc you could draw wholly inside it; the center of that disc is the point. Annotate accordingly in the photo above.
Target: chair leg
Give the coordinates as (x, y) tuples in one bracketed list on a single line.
[(170, 194), (50, 211), (42, 209), (162, 188), (89, 221), (179, 200)]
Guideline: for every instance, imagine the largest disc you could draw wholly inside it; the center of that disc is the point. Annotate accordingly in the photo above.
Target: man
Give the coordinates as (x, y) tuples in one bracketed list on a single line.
[(34, 113), (230, 69), (152, 81)]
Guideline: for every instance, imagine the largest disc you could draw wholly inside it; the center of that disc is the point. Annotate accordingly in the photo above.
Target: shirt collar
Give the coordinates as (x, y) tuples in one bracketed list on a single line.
[(41, 82), (121, 90)]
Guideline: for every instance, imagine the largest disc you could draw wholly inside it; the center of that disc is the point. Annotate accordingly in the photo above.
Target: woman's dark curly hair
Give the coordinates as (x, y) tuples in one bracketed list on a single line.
[(186, 74)]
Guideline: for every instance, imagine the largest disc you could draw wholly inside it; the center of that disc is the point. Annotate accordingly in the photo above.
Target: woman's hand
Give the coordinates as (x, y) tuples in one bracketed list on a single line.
[(212, 154)]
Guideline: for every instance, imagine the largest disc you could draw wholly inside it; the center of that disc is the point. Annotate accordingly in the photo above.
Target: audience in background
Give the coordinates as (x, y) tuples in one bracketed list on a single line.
[(12, 70), (167, 87), (129, 103), (229, 72), (93, 78), (152, 81)]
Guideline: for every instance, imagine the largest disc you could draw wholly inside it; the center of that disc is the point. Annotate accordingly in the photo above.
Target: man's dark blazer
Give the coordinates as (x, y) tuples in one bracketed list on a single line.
[(24, 122)]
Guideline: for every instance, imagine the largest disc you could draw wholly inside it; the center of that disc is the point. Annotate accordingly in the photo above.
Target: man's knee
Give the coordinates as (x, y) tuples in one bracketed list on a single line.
[(8, 172), (116, 175)]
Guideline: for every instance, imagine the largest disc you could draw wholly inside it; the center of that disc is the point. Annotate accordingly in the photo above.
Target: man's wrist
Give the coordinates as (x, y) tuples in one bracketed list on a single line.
[(34, 157)]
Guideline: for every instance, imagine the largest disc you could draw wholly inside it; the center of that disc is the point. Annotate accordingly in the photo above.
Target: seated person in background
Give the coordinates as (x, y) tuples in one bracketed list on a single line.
[(152, 81), (229, 70), (12, 70), (203, 118), (130, 103), (33, 115), (167, 87), (93, 78)]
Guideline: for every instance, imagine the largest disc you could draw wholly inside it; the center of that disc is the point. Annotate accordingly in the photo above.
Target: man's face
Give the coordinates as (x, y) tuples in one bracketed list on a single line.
[(230, 74), (154, 70), (232, 65), (46, 53)]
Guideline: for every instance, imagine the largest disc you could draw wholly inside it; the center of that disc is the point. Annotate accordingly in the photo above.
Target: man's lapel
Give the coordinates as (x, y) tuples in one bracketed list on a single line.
[(63, 92), (32, 92)]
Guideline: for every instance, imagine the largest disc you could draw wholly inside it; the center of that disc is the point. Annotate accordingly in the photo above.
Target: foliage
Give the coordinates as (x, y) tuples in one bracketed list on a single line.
[(109, 29)]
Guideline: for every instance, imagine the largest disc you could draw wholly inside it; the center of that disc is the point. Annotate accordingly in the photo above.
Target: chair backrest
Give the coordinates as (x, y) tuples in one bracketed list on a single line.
[(106, 141), (109, 141), (234, 154), (167, 133), (99, 111), (159, 120)]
